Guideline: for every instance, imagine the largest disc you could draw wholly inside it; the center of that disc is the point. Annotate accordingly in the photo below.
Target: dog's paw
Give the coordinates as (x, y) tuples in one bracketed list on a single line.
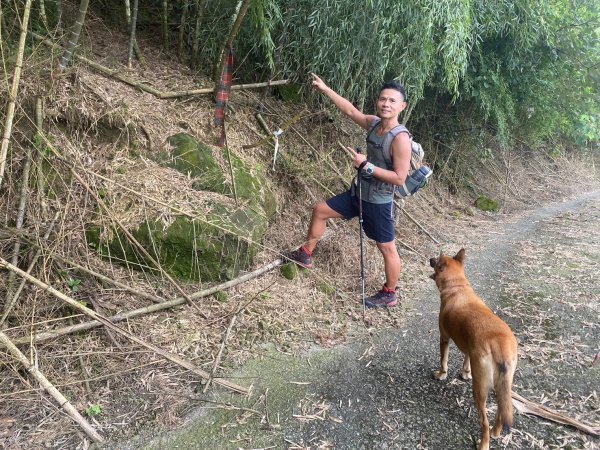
[(440, 375), (466, 375)]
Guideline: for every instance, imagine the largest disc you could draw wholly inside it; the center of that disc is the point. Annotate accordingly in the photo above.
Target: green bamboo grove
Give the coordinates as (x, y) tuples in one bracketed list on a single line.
[(525, 69)]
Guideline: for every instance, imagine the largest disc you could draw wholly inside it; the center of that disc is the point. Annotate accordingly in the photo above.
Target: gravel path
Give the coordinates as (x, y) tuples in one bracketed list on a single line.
[(539, 272)]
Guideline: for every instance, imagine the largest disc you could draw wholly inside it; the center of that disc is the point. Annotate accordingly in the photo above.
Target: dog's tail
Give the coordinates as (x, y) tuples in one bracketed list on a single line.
[(505, 370)]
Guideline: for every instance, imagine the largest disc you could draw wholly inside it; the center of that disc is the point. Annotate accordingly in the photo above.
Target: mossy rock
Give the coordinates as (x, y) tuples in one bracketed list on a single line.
[(218, 244), (326, 288), (289, 271), (201, 163), (486, 204), (291, 93), (213, 249)]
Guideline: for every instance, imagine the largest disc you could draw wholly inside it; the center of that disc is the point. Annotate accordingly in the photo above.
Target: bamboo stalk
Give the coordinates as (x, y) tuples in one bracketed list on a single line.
[(165, 24), (40, 178), (43, 14), (136, 47), (106, 322), (200, 7), (218, 358), (49, 387), (3, 33), (59, 10), (235, 87), (19, 222), (184, 14), (48, 335), (132, 28), (415, 222), (241, 10), (74, 35), (12, 96)]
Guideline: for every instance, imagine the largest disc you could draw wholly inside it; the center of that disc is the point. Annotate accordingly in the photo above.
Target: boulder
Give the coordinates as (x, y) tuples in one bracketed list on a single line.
[(223, 236)]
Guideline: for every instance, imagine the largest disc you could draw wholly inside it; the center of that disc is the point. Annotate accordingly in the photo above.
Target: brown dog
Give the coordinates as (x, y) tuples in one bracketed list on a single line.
[(489, 346)]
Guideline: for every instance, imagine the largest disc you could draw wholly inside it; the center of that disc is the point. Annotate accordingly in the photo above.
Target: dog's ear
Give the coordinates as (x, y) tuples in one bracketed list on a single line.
[(460, 256)]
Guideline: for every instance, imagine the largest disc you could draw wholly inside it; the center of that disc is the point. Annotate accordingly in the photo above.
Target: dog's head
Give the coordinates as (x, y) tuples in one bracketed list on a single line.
[(447, 267)]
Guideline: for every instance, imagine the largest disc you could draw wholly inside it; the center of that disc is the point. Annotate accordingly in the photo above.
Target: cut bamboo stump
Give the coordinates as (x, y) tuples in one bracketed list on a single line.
[(48, 335)]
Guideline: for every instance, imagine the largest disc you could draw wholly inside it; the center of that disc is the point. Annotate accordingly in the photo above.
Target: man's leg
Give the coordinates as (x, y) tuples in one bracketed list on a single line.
[(391, 261), (318, 222)]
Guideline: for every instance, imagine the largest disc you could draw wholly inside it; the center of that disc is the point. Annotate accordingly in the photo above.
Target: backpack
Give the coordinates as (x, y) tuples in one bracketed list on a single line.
[(418, 173)]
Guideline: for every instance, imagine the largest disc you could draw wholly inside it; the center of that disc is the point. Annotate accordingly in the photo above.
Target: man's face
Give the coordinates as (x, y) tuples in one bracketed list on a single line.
[(390, 103)]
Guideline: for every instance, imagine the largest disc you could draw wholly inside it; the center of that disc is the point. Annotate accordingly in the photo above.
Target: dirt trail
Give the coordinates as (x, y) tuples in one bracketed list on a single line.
[(539, 273)]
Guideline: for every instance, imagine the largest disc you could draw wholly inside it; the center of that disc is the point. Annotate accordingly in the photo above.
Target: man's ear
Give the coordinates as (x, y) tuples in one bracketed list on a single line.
[(460, 256)]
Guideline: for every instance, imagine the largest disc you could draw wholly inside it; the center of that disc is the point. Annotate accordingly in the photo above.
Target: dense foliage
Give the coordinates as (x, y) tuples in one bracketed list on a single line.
[(525, 69)]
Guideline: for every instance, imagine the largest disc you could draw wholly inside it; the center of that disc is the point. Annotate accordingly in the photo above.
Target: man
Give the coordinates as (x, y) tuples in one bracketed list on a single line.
[(379, 176)]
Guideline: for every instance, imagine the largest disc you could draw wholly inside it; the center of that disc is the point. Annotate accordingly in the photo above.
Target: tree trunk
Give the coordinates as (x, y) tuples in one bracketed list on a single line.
[(74, 35), (10, 111), (241, 10)]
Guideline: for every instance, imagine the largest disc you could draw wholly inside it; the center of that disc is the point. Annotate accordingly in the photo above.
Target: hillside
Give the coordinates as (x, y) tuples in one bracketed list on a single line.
[(103, 141)]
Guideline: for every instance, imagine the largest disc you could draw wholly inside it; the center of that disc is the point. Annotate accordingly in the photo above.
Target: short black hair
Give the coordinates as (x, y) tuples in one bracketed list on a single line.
[(393, 84)]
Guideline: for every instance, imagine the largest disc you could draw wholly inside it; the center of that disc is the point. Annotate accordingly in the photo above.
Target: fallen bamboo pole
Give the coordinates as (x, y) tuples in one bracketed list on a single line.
[(49, 387), (416, 223), (48, 335), (114, 73), (11, 303), (109, 280), (218, 358), (106, 322), (525, 406)]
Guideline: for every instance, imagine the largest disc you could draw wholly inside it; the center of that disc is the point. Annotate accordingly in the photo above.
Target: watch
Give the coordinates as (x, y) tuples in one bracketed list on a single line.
[(369, 169)]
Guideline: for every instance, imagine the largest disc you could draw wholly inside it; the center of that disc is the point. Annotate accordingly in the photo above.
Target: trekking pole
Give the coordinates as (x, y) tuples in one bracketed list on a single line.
[(360, 232)]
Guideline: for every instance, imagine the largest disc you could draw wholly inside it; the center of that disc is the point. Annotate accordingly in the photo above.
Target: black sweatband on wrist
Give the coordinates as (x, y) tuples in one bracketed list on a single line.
[(363, 164)]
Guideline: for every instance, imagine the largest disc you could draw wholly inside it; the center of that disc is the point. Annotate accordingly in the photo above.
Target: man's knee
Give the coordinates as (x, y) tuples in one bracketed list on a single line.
[(323, 211), (388, 249)]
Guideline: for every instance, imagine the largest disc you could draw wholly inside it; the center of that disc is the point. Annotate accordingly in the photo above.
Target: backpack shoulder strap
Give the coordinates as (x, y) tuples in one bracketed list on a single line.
[(387, 142), (373, 125)]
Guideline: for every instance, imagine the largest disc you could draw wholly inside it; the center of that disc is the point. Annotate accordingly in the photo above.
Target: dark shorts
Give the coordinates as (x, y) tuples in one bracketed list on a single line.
[(378, 219)]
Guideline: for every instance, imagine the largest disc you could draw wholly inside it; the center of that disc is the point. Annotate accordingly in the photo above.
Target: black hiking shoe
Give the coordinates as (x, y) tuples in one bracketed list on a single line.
[(385, 298), (300, 257)]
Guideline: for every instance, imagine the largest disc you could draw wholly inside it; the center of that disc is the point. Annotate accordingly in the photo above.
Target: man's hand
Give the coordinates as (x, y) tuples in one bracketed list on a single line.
[(358, 159), (317, 83)]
